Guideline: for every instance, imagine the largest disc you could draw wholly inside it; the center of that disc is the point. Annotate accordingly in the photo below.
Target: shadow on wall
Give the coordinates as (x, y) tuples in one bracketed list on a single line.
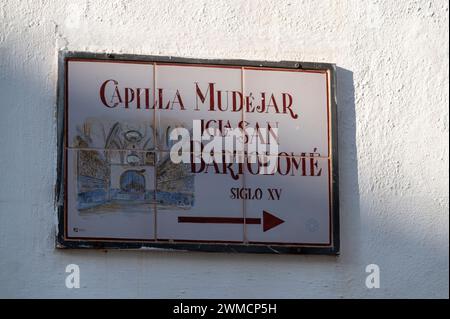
[(349, 196), (409, 265)]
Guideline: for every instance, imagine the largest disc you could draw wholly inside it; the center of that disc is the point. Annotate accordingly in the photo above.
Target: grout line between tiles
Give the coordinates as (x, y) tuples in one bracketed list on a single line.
[(166, 151), (244, 204), (155, 206)]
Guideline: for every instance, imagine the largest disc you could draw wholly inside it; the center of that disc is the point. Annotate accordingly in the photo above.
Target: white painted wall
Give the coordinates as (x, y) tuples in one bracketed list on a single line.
[(394, 154)]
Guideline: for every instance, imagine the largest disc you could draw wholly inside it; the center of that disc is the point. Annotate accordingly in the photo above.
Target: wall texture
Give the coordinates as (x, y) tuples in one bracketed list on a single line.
[(394, 155)]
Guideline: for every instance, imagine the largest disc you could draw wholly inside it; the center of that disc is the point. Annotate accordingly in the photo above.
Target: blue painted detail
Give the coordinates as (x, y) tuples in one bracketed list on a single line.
[(132, 181), (118, 194), (175, 199), (91, 192), (91, 199), (87, 183)]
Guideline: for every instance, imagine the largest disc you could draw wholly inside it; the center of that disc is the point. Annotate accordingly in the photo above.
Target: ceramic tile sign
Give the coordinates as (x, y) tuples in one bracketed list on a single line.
[(172, 153)]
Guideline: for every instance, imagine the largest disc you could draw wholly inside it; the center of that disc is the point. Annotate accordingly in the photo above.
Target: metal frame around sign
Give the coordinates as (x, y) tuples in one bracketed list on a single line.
[(63, 242)]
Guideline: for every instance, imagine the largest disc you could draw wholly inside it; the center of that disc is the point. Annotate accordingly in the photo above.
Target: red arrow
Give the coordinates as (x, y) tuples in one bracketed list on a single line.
[(269, 221)]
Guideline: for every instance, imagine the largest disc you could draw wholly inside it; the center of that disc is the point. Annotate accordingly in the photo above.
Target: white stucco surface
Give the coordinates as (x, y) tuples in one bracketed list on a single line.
[(393, 138)]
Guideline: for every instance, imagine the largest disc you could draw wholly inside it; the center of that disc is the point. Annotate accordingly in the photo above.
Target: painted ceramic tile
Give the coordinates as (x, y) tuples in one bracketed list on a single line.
[(293, 102), (211, 95), (110, 105), (195, 201), (293, 203), (110, 194)]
